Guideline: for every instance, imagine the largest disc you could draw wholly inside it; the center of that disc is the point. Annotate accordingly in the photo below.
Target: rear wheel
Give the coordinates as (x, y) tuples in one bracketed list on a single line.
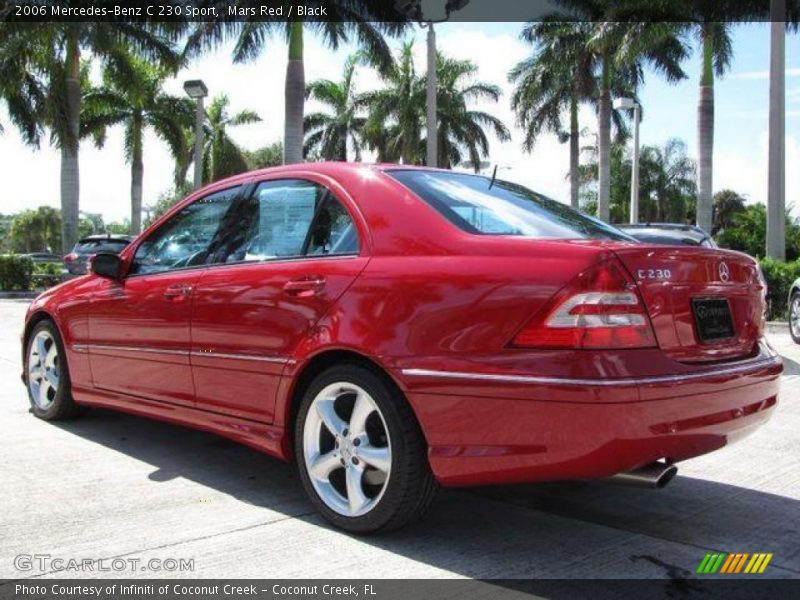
[(360, 451), (47, 375), (794, 317)]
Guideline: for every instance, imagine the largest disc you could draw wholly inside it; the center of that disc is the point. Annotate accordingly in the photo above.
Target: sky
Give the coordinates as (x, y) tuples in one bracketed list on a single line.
[(31, 177)]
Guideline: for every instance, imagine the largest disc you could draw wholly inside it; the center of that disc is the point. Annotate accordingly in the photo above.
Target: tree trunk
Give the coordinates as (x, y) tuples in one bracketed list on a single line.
[(604, 143), (705, 135), (295, 97), (574, 154), (70, 180), (137, 175)]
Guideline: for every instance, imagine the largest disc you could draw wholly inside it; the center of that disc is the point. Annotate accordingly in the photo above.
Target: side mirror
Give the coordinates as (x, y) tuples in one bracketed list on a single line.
[(106, 264)]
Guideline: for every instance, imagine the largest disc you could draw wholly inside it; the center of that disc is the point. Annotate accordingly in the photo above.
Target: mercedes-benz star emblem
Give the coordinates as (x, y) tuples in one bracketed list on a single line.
[(724, 272)]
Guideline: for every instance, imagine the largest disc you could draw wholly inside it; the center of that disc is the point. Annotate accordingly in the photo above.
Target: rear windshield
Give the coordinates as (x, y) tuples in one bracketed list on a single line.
[(94, 246), (665, 238), (476, 205)]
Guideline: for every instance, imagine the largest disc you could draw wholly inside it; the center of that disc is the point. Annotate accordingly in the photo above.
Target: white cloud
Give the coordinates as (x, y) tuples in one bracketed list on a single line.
[(749, 177)]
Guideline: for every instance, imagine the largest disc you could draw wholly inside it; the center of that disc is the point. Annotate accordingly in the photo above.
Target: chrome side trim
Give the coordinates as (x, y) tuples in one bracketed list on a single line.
[(137, 349), (626, 381), (268, 359)]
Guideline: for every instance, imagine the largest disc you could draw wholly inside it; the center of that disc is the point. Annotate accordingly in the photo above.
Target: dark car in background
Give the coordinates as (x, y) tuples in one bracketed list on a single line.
[(77, 261), (669, 234)]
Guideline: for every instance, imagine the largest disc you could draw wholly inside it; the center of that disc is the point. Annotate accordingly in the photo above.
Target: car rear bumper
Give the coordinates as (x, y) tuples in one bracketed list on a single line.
[(483, 428)]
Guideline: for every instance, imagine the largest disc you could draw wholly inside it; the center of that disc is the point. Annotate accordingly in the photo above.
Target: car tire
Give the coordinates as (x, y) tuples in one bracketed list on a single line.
[(794, 317), (47, 379), (372, 475)]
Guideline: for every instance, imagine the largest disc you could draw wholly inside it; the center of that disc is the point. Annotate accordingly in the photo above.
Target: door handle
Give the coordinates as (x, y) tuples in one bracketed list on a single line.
[(304, 287), (177, 292)]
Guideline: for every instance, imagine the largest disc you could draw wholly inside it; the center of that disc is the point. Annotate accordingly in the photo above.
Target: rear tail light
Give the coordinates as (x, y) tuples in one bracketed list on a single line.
[(70, 257), (600, 308)]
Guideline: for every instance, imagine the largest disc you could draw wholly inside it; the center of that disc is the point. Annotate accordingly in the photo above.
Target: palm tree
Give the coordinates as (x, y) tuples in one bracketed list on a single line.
[(329, 133), (52, 60), (461, 130), (667, 184), (622, 46), (557, 78), (398, 113), (669, 179), (131, 96), (394, 128), (222, 157), (19, 88), (363, 20)]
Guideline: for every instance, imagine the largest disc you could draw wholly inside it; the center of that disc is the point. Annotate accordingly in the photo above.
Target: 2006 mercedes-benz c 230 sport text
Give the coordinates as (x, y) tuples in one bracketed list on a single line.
[(394, 328)]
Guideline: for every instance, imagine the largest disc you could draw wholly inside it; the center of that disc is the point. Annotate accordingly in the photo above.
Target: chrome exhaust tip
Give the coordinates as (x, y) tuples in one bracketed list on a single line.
[(654, 476)]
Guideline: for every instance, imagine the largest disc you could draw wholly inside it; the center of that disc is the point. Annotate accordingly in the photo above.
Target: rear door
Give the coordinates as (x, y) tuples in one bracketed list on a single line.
[(705, 304), (140, 327), (298, 251)]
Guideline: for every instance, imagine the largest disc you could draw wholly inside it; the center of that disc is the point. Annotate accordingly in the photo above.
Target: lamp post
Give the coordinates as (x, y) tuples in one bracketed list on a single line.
[(413, 10), (776, 187), (432, 149), (630, 104), (197, 90)]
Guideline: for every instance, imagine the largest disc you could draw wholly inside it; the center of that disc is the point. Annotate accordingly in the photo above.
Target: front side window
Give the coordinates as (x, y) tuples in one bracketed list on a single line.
[(478, 205), (192, 237)]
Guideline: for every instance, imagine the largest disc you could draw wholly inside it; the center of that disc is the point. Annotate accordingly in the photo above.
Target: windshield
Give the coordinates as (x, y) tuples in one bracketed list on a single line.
[(477, 206)]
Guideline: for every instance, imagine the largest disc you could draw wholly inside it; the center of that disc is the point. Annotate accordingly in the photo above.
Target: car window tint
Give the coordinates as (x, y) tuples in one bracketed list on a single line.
[(284, 211), (197, 235), (292, 218), (479, 205), (332, 231)]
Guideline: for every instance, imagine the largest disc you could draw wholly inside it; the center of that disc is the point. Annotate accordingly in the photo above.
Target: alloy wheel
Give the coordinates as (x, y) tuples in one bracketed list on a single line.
[(794, 316), (43, 370), (347, 449)]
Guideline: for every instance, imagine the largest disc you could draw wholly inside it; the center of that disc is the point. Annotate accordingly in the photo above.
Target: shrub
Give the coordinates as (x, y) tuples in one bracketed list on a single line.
[(780, 276), (15, 272)]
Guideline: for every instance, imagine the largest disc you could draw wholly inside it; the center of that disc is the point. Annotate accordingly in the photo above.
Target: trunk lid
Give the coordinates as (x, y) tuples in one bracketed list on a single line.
[(688, 293)]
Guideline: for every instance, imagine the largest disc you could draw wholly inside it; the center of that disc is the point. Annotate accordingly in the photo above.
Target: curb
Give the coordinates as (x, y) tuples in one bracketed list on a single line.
[(18, 295), (777, 327)]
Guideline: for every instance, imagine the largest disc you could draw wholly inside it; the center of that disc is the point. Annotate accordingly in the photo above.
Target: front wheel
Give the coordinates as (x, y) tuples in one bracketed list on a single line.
[(47, 375), (360, 451), (794, 317)]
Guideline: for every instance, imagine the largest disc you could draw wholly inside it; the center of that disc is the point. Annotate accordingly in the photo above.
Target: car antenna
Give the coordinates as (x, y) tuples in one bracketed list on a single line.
[(494, 176)]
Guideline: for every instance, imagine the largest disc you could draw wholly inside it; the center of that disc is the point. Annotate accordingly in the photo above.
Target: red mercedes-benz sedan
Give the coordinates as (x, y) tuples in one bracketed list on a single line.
[(394, 328)]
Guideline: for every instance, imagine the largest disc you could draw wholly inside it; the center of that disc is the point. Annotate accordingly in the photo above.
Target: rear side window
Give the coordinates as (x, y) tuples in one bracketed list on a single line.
[(294, 218), (477, 205)]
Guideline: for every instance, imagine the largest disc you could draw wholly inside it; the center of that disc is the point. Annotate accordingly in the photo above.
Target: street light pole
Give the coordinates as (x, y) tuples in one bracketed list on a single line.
[(412, 9), (637, 117), (431, 125), (197, 90), (776, 192), (630, 104)]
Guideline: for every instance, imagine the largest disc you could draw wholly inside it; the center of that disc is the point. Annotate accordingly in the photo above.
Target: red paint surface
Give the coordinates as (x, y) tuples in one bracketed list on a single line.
[(423, 294)]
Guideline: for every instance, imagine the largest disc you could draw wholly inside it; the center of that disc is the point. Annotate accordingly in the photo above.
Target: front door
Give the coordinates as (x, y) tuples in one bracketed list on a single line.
[(139, 327), (298, 254)]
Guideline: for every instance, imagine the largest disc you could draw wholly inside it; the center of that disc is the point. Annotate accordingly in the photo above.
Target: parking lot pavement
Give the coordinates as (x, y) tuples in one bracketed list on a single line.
[(116, 486)]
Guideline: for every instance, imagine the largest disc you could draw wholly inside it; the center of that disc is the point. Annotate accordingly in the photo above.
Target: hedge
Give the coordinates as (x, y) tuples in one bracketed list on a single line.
[(15, 272), (780, 276)]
